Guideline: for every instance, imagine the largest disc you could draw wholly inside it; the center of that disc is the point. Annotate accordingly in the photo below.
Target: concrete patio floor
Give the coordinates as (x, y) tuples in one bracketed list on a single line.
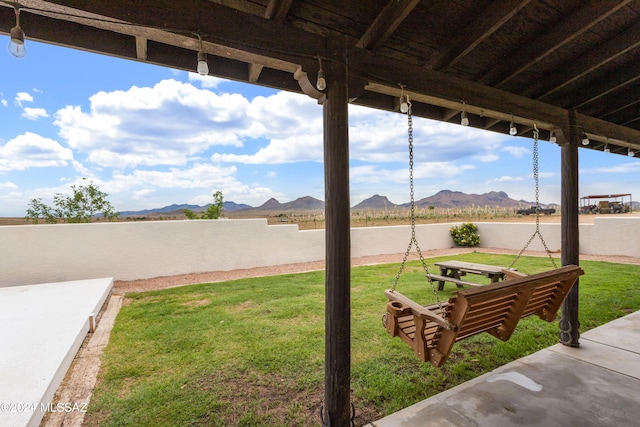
[(41, 329), (597, 384)]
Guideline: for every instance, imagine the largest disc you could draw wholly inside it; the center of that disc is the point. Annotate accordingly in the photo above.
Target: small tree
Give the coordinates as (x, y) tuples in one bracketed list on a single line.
[(85, 202), (213, 211)]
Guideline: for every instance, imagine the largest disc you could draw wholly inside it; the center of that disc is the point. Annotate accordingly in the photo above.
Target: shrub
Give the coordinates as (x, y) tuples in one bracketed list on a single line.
[(465, 234)]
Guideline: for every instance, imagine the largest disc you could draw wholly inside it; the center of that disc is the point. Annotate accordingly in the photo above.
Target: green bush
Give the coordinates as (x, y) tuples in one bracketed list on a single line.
[(465, 234)]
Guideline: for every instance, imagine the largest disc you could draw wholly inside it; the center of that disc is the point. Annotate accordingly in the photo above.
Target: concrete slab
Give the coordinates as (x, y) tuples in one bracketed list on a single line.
[(41, 329), (623, 333), (593, 385)]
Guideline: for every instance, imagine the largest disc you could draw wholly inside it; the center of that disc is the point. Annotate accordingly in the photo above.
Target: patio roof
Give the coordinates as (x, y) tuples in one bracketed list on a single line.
[(530, 62)]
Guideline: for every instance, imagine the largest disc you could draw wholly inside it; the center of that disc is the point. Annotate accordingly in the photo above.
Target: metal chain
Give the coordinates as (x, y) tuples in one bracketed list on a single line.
[(536, 178), (412, 217)]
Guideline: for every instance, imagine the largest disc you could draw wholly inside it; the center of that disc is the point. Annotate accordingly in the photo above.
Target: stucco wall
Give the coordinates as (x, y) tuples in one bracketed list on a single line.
[(126, 251)]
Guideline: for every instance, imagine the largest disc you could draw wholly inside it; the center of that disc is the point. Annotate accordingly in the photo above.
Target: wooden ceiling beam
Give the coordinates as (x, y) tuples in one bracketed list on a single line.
[(277, 11), (577, 68), (386, 23), (575, 25), (220, 26), (488, 22)]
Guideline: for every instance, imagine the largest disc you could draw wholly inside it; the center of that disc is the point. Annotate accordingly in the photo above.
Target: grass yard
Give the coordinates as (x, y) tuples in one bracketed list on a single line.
[(251, 352)]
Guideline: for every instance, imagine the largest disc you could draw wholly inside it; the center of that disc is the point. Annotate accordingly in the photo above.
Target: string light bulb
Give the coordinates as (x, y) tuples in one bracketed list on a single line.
[(203, 67), (630, 152), (513, 130), (606, 148), (16, 45), (404, 104), (585, 139), (464, 120), (552, 136), (321, 82)]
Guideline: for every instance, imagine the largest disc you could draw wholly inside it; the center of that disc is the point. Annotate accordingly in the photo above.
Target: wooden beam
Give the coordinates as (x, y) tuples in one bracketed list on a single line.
[(237, 33), (535, 50), (337, 400), (488, 22), (386, 23), (569, 228), (141, 48), (277, 10), (577, 68)]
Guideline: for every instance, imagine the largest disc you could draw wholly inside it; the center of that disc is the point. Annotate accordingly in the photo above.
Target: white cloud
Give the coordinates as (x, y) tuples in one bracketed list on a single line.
[(209, 82), (31, 150), (34, 113), (4, 103), (504, 179), (9, 185), (23, 97), (166, 124), (516, 152)]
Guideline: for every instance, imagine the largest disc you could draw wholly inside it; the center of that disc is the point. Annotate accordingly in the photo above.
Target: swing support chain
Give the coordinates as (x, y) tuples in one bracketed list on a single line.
[(536, 178), (413, 240)]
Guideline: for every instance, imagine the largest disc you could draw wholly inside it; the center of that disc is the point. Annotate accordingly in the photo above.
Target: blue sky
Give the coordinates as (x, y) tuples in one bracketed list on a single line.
[(151, 136)]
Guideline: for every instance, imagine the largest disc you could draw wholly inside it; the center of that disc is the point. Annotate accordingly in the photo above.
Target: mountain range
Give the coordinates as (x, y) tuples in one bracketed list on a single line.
[(443, 199)]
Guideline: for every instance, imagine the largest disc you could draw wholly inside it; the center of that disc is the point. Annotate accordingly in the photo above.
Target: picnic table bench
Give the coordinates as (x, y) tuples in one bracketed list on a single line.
[(452, 271)]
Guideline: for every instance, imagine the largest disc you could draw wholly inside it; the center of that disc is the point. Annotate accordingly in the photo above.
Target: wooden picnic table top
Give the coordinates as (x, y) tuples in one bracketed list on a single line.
[(471, 267)]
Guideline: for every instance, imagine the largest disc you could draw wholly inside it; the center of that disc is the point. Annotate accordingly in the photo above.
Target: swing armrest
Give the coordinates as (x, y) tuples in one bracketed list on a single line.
[(510, 273), (419, 310)]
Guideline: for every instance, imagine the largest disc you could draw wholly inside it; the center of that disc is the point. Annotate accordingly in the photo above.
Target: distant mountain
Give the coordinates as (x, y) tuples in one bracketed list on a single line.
[(443, 199), (458, 199), (375, 202), (171, 209), (231, 206), (306, 203)]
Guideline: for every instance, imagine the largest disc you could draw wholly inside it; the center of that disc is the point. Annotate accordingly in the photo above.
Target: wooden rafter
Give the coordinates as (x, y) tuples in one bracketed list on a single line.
[(277, 11), (578, 68), (490, 20), (575, 25), (386, 23)]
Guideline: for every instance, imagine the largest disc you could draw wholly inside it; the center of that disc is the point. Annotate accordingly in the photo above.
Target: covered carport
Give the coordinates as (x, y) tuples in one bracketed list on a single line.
[(569, 68)]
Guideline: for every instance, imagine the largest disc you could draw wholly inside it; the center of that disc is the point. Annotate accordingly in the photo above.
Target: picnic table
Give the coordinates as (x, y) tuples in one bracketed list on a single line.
[(452, 271)]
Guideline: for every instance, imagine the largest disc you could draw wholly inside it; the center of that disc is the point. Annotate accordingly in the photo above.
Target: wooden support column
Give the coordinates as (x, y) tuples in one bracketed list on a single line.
[(337, 393), (570, 240)]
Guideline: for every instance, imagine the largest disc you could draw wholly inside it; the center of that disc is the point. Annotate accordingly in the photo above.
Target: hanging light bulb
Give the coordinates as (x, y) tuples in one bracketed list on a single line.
[(16, 45), (321, 82), (630, 152), (606, 148), (404, 104), (552, 136), (512, 128), (203, 67), (585, 140), (464, 120)]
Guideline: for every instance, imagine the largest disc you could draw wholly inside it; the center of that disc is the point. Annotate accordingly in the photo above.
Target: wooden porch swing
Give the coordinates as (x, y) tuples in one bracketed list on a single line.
[(496, 309)]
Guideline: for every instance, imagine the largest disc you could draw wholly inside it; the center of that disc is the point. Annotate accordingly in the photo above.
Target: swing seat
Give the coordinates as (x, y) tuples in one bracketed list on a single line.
[(496, 308)]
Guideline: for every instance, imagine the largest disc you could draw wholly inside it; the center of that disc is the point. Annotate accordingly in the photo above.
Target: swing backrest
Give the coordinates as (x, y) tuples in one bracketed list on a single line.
[(496, 308)]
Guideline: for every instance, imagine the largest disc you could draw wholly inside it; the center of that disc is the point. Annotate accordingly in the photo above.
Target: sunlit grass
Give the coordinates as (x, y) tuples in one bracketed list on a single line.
[(251, 352)]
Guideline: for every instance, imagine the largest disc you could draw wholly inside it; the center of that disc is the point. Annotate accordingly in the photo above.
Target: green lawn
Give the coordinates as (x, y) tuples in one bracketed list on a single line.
[(251, 352)]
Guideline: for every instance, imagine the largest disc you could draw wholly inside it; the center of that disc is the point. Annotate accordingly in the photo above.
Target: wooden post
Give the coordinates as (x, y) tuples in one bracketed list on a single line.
[(337, 393), (570, 241)]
